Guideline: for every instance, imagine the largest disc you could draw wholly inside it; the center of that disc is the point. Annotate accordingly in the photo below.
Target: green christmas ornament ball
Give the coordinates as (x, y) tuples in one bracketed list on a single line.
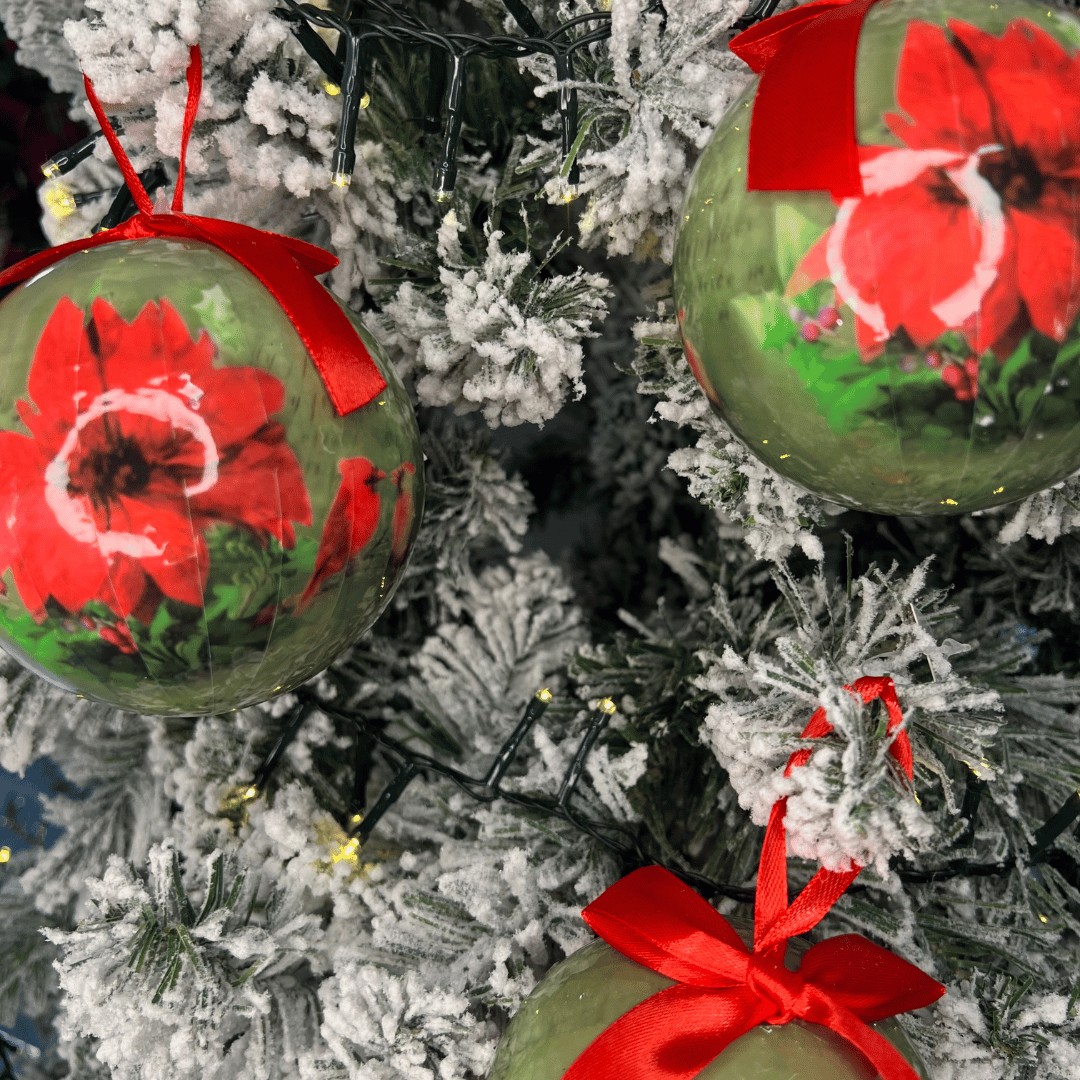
[(915, 350), (186, 524), (590, 990)]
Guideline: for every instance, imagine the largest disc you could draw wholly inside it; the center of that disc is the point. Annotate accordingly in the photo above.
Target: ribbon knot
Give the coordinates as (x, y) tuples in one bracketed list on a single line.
[(773, 982), (285, 266)]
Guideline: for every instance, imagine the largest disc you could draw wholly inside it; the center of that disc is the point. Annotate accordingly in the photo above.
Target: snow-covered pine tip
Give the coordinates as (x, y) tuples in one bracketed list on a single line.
[(777, 514), (499, 333), (851, 802), (647, 107), (185, 991)]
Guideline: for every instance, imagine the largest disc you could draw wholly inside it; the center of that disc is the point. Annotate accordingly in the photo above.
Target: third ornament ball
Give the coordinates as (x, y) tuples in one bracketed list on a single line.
[(590, 990), (905, 343)]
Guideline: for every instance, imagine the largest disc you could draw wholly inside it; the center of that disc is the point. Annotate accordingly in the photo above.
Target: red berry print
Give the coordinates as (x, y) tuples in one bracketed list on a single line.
[(810, 331), (964, 381), (829, 317), (119, 635)]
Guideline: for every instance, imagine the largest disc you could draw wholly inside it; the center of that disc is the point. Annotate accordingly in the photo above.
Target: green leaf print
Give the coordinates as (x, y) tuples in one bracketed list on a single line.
[(235, 621), (795, 236)]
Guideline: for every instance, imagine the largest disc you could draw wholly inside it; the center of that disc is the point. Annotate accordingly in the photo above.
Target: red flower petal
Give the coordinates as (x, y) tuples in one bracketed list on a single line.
[(349, 525), (1048, 261), (128, 591), (908, 252), (54, 562), (942, 95), (62, 368), (1034, 84), (813, 267), (119, 635), (1001, 311), (261, 489), (21, 459), (183, 579), (239, 402), (149, 351)]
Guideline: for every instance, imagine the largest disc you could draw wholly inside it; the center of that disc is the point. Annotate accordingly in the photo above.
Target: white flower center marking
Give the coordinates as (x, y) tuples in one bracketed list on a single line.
[(73, 516), (868, 311), (985, 204), (886, 172)]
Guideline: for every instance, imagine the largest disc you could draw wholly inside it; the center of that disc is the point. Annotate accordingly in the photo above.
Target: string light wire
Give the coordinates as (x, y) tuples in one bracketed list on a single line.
[(406, 28), (622, 841)]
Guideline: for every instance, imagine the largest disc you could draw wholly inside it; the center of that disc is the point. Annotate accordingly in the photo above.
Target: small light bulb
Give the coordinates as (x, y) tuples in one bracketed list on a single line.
[(331, 88), (5, 854), (570, 194), (365, 101), (341, 180), (234, 802), (443, 196), (346, 852), (606, 705), (50, 169), (357, 818), (544, 695), (59, 202)]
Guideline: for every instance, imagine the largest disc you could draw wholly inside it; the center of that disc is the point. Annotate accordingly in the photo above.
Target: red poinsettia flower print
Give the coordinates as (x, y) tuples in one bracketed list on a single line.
[(962, 378), (973, 226), (350, 524), (137, 445)]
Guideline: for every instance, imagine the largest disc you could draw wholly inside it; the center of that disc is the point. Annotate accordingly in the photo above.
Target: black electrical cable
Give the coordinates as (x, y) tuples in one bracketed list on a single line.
[(617, 838), (447, 85), (123, 205), (67, 159)]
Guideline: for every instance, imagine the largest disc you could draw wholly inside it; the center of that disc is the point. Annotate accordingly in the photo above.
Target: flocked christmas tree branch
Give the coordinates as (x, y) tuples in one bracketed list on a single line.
[(403, 955)]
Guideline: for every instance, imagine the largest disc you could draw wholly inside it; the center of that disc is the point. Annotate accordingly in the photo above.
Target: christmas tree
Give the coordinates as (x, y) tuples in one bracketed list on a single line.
[(616, 621)]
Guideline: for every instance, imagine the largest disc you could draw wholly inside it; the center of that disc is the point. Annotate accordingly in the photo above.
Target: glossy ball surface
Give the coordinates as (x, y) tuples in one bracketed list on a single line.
[(915, 350), (186, 524)]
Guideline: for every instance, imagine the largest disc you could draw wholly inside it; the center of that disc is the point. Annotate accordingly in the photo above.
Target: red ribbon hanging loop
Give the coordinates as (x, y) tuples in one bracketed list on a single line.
[(802, 131), (723, 989), (286, 266)]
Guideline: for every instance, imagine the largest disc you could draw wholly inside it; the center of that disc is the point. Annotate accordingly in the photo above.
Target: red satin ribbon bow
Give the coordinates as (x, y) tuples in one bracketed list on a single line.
[(287, 267), (723, 989), (802, 132)]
